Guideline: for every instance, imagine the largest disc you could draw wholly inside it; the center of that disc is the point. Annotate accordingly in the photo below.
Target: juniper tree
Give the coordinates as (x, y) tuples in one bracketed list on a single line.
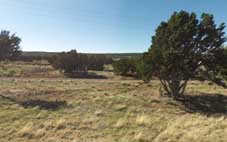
[(74, 63), (125, 67), (182, 47), (9, 46)]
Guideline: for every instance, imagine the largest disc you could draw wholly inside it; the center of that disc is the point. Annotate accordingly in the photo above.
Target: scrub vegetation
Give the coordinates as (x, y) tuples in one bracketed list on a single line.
[(175, 92)]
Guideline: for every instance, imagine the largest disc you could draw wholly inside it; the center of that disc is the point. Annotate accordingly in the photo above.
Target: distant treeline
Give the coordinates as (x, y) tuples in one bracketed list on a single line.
[(30, 56)]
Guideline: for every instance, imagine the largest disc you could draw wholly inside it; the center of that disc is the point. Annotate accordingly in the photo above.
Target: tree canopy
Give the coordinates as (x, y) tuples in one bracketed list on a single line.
[(73, 62), (9, 46), (183, 48), (125, 67)]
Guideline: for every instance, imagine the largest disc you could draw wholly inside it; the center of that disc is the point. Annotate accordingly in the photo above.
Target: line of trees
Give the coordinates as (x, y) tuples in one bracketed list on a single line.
[(73, 62), (31, 58)]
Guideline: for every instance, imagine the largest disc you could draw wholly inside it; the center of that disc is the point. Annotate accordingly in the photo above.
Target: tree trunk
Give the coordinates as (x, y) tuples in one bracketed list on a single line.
[(174, 88)]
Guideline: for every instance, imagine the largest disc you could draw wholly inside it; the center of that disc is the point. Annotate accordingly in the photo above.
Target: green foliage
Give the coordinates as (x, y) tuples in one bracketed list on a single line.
[(97, 62), (143, 68), (70, 62), (219, 68), (125, 67), (9, 46), (73, 62), (181, 47)]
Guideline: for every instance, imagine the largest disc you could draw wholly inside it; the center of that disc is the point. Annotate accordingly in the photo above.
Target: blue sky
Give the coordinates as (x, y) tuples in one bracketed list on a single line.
[(95, 26)]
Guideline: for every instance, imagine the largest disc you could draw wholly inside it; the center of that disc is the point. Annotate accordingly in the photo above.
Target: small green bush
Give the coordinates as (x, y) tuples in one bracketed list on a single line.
[(125, 67)]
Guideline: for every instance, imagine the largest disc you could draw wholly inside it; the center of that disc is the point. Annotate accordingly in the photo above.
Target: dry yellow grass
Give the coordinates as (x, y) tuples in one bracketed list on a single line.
[(143, 120), (108, 110)]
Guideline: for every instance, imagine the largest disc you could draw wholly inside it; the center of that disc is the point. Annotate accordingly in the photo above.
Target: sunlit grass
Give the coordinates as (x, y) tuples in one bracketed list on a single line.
[(106, 110)]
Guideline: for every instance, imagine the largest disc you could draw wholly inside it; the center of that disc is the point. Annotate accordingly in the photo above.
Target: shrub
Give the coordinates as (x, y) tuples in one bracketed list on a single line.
[(9, 46), (70, 62), (73, 62), (143, 68), (125, 67), (96, 62)]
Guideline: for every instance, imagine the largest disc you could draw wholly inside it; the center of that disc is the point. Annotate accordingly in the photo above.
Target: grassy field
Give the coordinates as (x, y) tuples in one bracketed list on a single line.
[(49, 108), (28, 69)]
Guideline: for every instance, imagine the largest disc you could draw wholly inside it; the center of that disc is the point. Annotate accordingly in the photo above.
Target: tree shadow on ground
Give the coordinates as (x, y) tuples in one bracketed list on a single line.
[(41, 104), (46, 105), (85, 76), (208, 104)]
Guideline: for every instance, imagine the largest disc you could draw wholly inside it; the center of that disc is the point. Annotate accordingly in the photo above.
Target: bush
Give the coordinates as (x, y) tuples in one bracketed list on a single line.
[(9, 46), (143, 68), (96, 62), (125, 67), (77, 63), (70, 62)]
